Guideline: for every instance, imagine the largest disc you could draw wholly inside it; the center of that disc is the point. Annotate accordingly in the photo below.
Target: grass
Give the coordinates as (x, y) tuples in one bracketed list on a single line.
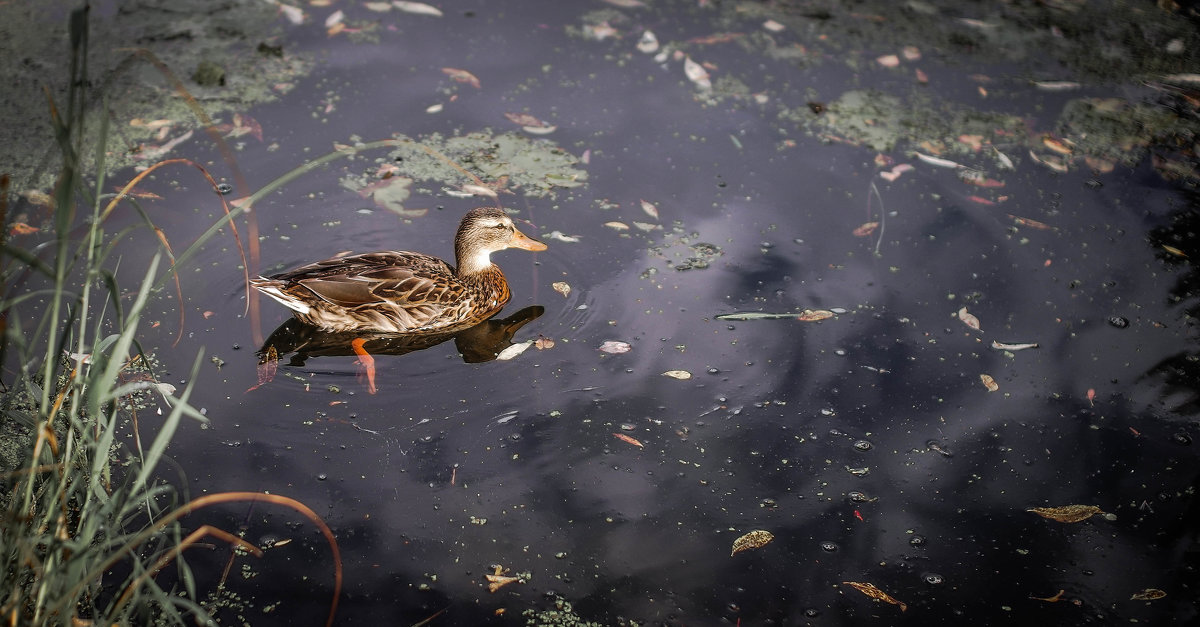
[(87, 523)]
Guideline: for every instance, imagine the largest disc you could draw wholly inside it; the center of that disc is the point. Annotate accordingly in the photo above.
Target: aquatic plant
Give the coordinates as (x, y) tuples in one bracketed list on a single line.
[(87, 522)]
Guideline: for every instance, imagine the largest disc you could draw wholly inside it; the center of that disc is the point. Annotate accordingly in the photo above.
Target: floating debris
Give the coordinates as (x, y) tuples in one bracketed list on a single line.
[(615, 347), (682, 375), (989, 382), (968, 318), (628, 440), (1013, 347), (875, 593), (562, 287), (1149, 594), (753, 540), (1067, 513)]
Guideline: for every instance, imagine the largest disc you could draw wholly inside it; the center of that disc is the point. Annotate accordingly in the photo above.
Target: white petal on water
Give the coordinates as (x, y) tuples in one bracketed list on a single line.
[(418, 8), (615, 347), (514, 350), (696, 73), (560, 236), (648, 43)]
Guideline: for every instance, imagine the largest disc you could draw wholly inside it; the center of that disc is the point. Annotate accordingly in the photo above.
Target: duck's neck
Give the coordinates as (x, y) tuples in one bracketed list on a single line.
[(472, 263)]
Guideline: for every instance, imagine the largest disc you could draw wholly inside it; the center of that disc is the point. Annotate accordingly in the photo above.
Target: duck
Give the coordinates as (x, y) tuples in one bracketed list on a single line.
[(402, 292)]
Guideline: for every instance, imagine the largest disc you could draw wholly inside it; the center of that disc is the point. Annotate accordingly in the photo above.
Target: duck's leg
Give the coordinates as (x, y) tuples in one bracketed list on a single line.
[(366, 361)]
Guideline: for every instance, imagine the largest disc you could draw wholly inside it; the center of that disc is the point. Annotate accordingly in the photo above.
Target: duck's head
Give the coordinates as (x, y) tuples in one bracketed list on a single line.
[(484, 231)]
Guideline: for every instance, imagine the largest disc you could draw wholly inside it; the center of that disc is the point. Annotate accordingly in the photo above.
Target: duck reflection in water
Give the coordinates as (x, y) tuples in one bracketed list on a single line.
[(479, 343)]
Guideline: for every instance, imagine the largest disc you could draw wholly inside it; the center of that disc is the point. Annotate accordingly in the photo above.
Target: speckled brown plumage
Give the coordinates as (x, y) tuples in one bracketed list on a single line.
[(405, 292)]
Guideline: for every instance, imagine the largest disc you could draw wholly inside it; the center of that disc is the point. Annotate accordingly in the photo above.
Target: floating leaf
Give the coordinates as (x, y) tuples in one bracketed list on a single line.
[(752, 540), (888, 60), (378, 7), (937, 161), (968, 319), (524, 119), (20, 228), (682, 375), (293, 14), (267, 367), (696, 73), (1033, 224), (417, 8), (773, 26), (620, 226), (513, 350), (543, 343), (1054, 599), (562, 237), (875, 593), (627, 4), (989, 382), (539, 130), (1067, 513), (1003, 159), (866, 229), (1052, 162), (756, 315), (1056, 85), (645, 226), (614, 347), (1149, 594), (650, 209), (813, 315), (562, 287), (1174, 251), (462, 76), (628, 440), (1012, 347), (648, 43), (499, 580)]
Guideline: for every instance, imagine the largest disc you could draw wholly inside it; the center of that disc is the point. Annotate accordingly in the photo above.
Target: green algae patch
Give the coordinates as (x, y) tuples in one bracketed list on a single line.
[(1122, 131), (223, 54), (884, 122), (508, 161)]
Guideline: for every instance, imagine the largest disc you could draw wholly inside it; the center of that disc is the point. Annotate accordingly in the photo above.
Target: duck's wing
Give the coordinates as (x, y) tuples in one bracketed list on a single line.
[(398, 278)]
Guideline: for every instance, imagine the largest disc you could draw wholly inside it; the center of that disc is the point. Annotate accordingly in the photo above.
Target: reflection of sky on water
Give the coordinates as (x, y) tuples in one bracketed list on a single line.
[(453, 467)]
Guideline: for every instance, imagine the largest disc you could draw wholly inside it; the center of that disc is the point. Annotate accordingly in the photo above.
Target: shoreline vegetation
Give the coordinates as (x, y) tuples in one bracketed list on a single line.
[(93, 534)]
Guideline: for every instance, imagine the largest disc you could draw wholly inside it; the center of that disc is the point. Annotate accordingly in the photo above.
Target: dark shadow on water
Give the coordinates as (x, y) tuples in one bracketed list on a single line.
[(477, 344)]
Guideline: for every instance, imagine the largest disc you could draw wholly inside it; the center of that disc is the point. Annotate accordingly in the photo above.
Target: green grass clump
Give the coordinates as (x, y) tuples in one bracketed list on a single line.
[(87, 525)]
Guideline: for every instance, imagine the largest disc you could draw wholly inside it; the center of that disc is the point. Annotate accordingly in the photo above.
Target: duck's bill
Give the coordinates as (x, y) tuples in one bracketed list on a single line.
[(521, 240)]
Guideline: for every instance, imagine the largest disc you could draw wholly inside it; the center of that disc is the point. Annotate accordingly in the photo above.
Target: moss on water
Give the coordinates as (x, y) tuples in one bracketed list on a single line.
[(884, 122), (228, 45), (535, 167)]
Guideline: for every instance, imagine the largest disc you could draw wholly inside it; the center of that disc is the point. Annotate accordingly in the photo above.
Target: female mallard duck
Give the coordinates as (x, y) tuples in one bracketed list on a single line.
[(404, 292)]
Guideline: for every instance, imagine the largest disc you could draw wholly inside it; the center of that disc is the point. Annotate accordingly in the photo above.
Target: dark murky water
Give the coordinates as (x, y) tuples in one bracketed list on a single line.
[(865, 443)]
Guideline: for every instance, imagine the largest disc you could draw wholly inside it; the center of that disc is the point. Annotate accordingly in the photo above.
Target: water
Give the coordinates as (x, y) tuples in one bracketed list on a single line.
[(866, 443)]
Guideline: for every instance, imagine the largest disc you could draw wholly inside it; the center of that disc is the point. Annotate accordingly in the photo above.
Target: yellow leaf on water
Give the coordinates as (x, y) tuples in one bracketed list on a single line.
[(499, 579), (1149, 594), (1067, 513), (752, 540), (813, 315), (682, 375), (620, 226), (989, 382), (650, 209), (562, 287), (875, 593)]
